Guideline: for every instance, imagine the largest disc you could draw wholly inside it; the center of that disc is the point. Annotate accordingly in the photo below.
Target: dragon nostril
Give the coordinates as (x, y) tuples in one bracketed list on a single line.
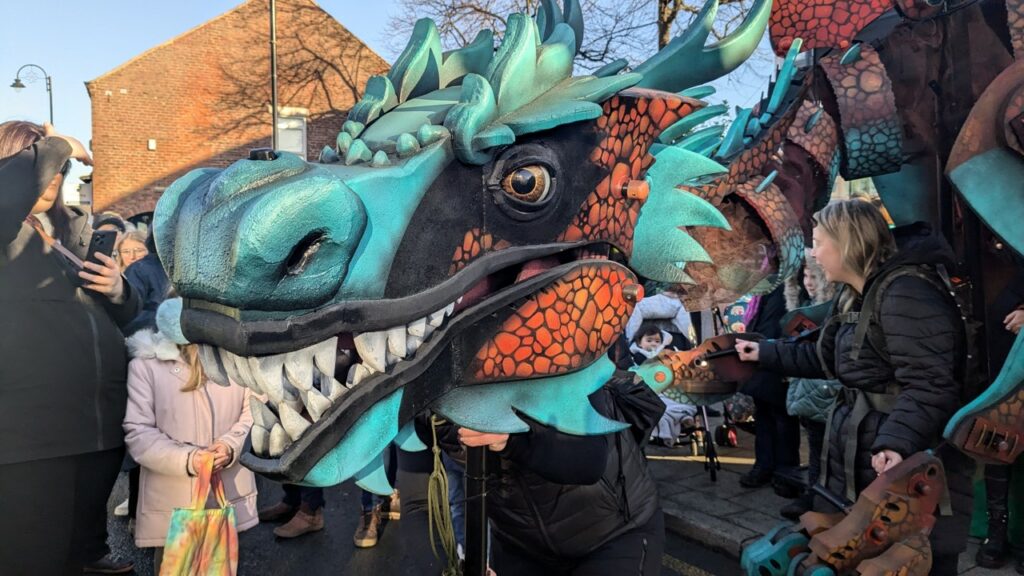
[(303, 253)]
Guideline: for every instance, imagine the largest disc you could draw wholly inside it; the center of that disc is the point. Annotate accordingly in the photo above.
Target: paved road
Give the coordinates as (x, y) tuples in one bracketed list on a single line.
[(331, 551)]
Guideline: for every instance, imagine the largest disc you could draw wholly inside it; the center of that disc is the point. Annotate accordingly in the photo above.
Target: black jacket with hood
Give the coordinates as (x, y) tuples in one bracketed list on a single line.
[(63, 362)]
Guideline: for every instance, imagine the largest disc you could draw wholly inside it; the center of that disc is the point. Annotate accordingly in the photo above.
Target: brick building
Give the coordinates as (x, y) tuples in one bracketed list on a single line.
[(203, 98)]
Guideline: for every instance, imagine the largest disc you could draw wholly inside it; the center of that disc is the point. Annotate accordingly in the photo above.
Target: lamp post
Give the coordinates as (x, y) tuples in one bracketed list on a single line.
[(18, 85), (273, 74)]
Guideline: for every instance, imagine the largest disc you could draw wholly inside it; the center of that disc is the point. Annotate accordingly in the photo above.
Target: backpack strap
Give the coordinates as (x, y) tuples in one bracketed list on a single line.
[(869, 324)]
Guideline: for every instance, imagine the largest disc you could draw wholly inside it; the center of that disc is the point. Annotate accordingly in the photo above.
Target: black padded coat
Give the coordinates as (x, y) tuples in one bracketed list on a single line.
[(924, 340), (63, 363), (558, 496)]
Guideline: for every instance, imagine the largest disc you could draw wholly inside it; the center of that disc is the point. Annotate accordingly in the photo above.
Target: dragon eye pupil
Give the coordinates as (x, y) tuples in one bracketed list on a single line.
[(523, 181)]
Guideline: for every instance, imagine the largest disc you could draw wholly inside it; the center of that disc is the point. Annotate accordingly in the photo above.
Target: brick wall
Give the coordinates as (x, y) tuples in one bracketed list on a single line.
[(204, 97)]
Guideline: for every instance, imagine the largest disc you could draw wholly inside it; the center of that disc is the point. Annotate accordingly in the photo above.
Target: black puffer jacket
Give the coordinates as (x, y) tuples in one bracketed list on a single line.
[(63, 363), (924, 340), (559, 496)]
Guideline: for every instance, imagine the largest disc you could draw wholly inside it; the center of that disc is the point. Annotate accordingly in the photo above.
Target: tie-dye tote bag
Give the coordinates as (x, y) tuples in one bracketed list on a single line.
[(202, 542)]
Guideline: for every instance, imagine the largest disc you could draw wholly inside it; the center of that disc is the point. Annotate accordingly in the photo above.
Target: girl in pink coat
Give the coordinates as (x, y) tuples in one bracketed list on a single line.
[(174, 413)]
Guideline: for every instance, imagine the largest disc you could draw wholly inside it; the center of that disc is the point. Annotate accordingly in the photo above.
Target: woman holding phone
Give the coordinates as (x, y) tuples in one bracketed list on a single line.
[(62, 365)]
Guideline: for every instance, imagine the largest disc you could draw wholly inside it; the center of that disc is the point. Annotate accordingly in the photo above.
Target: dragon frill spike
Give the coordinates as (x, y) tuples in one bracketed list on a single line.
[(549, 17), (418, 69), (686, 62)]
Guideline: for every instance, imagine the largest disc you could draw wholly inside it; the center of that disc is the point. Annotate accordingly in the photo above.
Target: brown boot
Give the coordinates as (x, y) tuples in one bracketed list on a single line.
[(279, 512), (392, 507), (302, 523), (366, 532)]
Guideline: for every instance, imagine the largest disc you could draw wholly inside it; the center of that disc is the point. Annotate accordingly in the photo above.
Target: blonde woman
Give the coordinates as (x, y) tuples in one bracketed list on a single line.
[(901, 384), (131, 247), (174, 414)]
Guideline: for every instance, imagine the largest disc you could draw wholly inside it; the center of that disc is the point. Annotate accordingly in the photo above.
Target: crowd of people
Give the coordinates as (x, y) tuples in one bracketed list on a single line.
[(129, 394)]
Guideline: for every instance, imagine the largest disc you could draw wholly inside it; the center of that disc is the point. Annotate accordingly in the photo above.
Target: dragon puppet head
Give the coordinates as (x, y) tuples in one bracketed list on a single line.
[(473, 245)]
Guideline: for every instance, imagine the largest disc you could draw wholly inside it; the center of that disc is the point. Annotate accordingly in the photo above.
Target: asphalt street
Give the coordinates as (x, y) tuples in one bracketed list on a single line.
[(331, 552)]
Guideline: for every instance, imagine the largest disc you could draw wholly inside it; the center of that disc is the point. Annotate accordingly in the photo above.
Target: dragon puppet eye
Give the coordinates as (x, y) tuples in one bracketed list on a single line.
[(530, 184)]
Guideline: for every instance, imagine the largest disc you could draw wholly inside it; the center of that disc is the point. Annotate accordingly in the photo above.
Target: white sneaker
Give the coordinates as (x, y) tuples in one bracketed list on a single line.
[(121, 510)]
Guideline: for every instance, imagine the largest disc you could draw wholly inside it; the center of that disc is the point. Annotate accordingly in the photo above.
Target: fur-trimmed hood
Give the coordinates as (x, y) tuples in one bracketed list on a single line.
[(151, 344), (795, 285)]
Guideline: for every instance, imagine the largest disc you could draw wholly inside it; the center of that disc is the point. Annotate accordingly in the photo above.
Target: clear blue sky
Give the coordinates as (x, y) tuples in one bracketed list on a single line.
[(77, 41)]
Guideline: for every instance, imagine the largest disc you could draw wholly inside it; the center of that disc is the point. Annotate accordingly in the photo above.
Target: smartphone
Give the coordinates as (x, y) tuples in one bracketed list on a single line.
[(103, 242)]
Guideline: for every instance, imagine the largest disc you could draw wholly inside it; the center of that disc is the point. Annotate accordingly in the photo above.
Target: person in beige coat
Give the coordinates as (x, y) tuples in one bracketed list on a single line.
[(173, 414)]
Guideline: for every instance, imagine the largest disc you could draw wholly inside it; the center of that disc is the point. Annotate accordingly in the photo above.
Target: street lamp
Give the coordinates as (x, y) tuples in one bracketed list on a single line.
[(18, 85)]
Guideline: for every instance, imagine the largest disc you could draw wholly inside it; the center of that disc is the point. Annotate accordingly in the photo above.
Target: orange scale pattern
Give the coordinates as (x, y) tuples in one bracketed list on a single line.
[(563, 327), (821, 141), (630, 123), (1015, 22), (474, 243), (821, 23)]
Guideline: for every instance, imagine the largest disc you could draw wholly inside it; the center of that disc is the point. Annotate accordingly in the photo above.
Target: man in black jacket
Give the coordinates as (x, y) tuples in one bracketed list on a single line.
[(62, 369)]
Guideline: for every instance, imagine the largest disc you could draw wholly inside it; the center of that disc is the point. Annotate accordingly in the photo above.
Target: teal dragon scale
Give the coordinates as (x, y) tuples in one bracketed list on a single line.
[(472, 245)]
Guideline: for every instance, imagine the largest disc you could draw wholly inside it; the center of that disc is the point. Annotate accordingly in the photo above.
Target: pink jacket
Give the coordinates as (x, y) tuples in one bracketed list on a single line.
[(164, 425)]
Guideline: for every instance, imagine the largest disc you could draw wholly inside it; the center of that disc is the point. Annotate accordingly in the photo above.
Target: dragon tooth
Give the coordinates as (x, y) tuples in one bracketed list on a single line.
[(335, 390), (396, 341), (242, 364), (261, 413), (391, 359), (316, 404), (372, 348), (298, 367), (271, 377), (293, 402), (278, 441), (293, 422), (267, 372), (212, 365), (435, 319), (260, 438), (359, 373), (228, 360), (412, 344), (325, 355), (418, 328), (449, 309)]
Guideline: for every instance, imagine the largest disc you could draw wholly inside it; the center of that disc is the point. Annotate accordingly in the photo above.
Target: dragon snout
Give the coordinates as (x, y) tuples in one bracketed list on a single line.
[(272, 229)]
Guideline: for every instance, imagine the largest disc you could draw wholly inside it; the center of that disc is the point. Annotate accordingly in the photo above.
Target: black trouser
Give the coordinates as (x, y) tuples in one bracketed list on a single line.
[(53, 513), (637, 552), (815, 444), (776, 440), (305, 497)]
